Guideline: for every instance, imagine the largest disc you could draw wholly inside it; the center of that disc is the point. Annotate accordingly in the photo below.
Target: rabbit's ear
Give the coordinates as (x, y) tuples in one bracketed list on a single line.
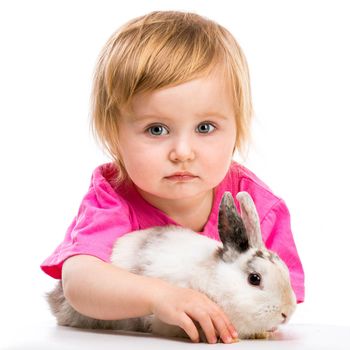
[(250, 219), (231, 228)]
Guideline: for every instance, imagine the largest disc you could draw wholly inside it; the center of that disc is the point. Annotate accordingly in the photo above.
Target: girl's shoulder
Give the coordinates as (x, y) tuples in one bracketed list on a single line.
[(239, 178), (103, 182), (243, 179), (105, 193)]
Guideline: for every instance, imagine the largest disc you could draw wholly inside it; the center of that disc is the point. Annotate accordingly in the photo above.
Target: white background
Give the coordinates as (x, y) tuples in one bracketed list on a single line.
[(299, 55)]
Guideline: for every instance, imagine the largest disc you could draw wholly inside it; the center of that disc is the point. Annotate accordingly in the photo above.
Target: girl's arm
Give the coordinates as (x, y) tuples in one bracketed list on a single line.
[(103, 291)]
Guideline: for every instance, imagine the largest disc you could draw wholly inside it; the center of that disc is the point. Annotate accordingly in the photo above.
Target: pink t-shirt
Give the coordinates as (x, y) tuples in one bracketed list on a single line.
[(108, 212)]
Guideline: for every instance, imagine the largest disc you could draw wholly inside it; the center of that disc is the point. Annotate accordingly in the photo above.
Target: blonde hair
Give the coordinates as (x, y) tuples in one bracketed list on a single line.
[(163, 49)]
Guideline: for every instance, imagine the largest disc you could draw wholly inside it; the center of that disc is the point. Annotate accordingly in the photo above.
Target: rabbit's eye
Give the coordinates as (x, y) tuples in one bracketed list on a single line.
[(254, 279)]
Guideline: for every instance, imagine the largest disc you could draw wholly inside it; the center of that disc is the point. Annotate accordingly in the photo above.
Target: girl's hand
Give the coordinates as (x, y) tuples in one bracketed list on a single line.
[(182, 306)]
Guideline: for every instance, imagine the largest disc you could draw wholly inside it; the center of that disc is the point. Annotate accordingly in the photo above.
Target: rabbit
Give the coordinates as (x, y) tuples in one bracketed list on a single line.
[(249, 282)]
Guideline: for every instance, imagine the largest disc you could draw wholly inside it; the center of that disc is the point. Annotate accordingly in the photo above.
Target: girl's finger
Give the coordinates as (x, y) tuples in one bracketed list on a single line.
[(207, 326), (189, 327), (229, 325), (222, 328)]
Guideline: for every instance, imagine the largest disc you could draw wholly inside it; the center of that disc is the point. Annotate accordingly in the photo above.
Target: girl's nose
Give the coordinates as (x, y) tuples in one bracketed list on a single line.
[(182, 150)]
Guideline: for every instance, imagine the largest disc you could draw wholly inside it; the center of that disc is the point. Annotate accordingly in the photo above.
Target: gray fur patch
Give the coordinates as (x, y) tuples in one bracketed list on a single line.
[(262, 254), (266, 254), (230, 226)]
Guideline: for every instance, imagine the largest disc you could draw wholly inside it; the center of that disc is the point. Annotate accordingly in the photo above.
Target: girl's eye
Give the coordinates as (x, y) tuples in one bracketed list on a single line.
[(157, 130), (254, 279), (205, 128)]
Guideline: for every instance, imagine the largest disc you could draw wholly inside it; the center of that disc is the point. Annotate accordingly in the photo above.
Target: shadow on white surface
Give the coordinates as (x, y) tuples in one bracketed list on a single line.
[(50, 336)]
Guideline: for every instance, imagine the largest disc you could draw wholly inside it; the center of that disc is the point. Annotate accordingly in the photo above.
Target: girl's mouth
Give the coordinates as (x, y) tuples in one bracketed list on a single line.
[(182, 178)]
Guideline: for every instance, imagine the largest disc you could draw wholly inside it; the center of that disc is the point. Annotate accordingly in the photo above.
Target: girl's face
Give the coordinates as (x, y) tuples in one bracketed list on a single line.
[(188, 128)]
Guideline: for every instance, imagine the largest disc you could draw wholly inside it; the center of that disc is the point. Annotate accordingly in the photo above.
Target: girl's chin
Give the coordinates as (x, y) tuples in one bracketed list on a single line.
[(176, 190)]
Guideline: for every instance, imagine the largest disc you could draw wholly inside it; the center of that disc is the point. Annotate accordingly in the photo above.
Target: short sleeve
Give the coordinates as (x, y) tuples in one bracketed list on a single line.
[(101, 219), (277, 235)]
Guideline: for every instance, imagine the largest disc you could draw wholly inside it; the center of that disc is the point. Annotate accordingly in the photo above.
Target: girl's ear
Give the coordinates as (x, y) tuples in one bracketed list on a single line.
[(250, 219), (231, 228)]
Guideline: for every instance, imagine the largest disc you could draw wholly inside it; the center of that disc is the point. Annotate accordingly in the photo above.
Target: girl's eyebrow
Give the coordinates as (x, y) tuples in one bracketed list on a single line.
[(213, 114), (148, 116)]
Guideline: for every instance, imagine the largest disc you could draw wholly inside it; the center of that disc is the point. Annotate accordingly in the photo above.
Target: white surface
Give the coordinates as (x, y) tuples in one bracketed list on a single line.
[(50, 336)]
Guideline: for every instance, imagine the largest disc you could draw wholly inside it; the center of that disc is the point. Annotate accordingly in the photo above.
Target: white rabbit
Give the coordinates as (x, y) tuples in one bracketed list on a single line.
[(250, 283)]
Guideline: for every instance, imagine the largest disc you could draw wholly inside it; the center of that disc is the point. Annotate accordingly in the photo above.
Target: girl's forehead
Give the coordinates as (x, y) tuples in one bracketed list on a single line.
[(202, 96)]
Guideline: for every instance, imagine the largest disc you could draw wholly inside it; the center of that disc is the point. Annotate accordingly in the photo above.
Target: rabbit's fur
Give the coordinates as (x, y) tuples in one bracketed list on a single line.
[(221, 270)]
